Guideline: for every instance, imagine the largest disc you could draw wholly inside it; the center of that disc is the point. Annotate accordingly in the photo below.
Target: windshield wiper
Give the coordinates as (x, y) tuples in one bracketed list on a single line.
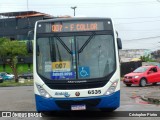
[(86, 43), (58, 52), (63, 44)]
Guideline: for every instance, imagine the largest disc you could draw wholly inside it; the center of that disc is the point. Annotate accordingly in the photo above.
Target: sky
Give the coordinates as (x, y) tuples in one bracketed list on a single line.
[(137, 21)]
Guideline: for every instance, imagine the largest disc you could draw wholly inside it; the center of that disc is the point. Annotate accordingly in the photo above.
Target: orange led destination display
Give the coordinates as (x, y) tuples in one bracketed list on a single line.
[(82, 26)]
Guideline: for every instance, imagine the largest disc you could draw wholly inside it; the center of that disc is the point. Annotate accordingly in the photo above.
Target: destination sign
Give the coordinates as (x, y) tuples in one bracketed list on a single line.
[(73, 26), (77, 26)]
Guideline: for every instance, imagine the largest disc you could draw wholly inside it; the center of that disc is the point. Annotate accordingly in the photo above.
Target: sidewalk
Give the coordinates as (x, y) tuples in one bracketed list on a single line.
[(152, 97)]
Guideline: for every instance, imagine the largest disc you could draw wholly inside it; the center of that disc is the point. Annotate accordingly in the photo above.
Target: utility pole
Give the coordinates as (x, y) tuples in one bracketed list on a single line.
[(74, 8), (27, 5)]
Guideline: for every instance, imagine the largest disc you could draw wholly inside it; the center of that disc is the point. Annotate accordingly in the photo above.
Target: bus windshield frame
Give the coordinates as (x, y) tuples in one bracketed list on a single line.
[(90, 35)]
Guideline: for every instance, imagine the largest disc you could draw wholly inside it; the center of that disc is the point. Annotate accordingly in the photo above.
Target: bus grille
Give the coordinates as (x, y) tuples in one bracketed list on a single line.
[(66, 104), (76, 86)]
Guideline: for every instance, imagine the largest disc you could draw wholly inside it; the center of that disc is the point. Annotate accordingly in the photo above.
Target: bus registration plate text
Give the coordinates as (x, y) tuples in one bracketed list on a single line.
[(78, 107)]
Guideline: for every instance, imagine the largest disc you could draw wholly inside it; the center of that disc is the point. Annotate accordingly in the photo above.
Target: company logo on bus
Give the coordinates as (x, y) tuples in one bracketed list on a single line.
[(65, 94), (77, 94), (84, 81)]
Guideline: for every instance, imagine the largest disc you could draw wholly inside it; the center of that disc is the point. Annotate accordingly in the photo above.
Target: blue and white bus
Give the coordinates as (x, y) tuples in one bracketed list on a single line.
[(76, 64)]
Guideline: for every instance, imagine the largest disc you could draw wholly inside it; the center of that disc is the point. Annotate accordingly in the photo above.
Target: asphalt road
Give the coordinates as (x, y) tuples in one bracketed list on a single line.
[(22, 99)]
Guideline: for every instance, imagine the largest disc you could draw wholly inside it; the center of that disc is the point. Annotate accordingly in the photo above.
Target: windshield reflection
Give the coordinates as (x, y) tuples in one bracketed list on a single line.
[(75, 57), (140, 70)]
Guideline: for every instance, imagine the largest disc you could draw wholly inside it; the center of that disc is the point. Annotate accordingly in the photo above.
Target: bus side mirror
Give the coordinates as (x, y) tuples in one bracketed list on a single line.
[(119, 42), (29, 46), (30, 35), (29, 42)]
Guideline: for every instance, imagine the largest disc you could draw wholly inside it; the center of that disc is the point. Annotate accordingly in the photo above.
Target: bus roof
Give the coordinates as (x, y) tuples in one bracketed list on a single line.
[(75, 18)]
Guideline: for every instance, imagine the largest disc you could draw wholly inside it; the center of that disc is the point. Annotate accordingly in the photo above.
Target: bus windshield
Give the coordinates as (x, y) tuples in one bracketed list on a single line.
[(73, 57)]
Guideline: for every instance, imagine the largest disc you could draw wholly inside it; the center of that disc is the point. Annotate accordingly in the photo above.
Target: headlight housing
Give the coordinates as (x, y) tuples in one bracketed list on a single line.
[(42, 91), (136, 77), (112, 88)]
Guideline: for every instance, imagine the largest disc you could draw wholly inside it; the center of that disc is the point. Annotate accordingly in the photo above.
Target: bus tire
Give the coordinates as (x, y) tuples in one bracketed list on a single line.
[(47, 113), (107, 109)]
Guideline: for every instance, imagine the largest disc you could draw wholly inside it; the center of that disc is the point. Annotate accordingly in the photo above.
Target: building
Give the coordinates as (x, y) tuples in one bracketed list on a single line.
[(16, 25), (130, 54)]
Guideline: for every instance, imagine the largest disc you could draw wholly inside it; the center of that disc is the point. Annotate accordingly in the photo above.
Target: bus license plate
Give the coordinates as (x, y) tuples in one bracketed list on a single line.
[(78, 107)]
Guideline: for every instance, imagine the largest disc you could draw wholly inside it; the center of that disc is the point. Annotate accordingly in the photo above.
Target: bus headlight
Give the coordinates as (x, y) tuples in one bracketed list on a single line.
[(112, 88), (42, 91)]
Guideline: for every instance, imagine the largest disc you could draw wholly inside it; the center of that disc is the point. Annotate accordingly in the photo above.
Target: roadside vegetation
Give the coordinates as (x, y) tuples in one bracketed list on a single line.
[(11, 50), (12, 83), (147, 59), (21, 68)]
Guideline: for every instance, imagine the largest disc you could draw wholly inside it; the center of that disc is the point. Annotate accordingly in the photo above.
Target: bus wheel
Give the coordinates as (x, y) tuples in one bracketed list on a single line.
[(47, 113), (107, 110), (128, 85), (143, 82)]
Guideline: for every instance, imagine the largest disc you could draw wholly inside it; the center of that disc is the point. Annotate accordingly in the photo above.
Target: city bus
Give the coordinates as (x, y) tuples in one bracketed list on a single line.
[(76, 64)]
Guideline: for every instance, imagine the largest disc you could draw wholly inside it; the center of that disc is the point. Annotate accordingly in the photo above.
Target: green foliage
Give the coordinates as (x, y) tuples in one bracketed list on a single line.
[(12, 49), (3, 40), (22, 68), (2, 47), (8, 69), (31, 68), (156, 55), (11, 83), (1, 68), (147, 59)]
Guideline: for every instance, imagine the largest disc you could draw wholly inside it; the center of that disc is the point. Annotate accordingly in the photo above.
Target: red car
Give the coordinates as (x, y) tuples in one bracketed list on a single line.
[(142, 76)]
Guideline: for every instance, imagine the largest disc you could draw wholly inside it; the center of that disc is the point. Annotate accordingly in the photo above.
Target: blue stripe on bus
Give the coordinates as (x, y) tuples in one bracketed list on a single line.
[(107, 101)]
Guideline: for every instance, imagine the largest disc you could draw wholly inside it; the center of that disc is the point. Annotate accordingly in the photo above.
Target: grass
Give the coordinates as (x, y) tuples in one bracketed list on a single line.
[(21, 68), (12, 83)]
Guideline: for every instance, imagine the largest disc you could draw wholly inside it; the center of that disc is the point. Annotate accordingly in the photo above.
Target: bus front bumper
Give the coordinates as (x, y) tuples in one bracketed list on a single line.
[(110, 102)]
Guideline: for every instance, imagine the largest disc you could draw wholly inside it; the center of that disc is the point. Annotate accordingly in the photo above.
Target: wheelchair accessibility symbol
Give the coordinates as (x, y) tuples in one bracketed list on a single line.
[(84, 72)]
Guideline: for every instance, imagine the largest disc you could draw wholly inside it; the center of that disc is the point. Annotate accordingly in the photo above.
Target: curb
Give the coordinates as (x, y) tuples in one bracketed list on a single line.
[(153, 98)]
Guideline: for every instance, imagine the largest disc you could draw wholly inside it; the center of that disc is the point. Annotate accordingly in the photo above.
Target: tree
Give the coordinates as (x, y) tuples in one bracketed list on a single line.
[(156, 55), (11, 50), (146, 59)]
